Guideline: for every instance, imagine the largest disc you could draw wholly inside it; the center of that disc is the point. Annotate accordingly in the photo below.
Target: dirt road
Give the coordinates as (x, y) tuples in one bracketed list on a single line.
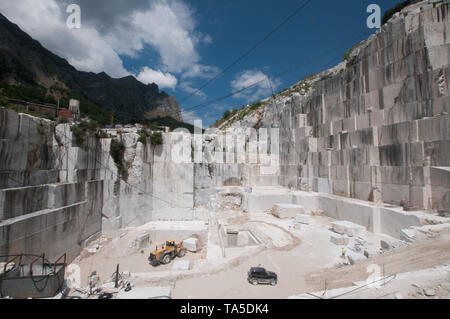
[(422, 255), (297, 271)]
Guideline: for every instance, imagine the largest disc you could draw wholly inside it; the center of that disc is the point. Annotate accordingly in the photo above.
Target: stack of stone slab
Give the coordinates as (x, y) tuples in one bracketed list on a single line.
[(348, 228), (353, 257), (340, 240), (285, 211), (302, 219), (387, 245)]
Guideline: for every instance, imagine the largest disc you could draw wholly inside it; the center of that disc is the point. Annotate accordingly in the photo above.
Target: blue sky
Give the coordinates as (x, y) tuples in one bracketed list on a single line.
[(235, 26), (181, 44)]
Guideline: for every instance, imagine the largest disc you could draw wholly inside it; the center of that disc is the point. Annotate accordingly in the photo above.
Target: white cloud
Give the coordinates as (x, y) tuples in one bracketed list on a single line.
[(200, 71), (110, 28), (220, 107), (187, 87), (163, 80), (259, 82), (207, 118), (207, 39), (167, 26), (84, 48), (189, 116)]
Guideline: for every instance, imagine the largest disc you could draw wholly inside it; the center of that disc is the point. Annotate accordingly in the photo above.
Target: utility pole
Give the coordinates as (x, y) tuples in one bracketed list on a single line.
[(112, 118), (116, 285), (325, 291)]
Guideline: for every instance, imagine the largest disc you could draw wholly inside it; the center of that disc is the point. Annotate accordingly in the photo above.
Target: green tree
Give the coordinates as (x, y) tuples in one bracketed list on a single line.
[(117, 151), (389, 13), (226, 114)]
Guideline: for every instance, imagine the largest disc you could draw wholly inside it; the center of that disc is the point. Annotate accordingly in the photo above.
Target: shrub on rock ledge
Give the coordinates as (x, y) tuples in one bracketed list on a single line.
[(117, 151), (143, 135), (156, 138)]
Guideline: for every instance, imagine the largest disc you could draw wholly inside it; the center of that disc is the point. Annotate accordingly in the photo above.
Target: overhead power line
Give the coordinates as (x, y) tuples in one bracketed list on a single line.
[(284, 72), (254, 47)]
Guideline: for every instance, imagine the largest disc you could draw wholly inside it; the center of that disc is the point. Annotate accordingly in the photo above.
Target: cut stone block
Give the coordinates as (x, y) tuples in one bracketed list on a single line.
[(94, 249), (361, 242), (430, 292), (141, 241), (354, 257), (369, 254), (386, 244), (181, 265), (348, 228), (317, 213), (391, 244), (305, 212), (302, 219), (356, 248), (408, 235), (191, 244), (339, 239), (287, 210)]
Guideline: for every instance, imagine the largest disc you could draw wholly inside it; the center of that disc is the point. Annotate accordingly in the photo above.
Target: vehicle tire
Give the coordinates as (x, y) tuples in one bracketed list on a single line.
[(153, 262), (166, 259), (181, 253), (254, 282), (273, 282)]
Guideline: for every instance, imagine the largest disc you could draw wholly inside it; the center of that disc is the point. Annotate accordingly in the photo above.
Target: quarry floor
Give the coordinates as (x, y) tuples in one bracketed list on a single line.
[(299, 273), (313, 266), (304, 258)]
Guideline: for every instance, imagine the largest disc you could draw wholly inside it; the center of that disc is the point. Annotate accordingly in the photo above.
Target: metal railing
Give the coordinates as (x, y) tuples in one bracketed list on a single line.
[(56, 262), (11, 261), (32, 263)]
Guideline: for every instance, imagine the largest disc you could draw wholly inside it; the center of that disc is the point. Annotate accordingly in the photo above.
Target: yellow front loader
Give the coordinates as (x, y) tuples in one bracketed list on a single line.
[(165, 254)]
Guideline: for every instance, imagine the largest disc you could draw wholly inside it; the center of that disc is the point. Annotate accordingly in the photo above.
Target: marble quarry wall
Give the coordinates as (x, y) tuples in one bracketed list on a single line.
[(377, 129), (374, 128), (45, 207), (55, 195)]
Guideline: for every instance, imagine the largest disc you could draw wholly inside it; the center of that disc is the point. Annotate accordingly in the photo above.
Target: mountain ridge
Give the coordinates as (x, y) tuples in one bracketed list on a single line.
[(24, 61)]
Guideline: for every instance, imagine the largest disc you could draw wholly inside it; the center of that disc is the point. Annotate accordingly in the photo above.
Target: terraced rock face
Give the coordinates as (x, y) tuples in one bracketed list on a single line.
[(47, 203), (55, 195), (375, 127)]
